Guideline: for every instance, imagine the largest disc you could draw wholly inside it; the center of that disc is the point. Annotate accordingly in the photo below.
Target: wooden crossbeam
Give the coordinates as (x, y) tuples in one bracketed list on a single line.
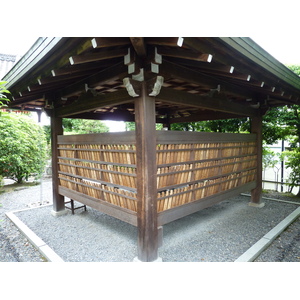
[(164, 41), (73, 69), (102, 42), (139, 46), (168, 69), (115, 116), (205, 116), (181, 53), (115, 72), (101, 55), (205, 102), (87, 102)]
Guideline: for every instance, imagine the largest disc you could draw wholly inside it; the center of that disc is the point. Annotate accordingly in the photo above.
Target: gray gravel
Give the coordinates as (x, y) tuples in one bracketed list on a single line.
[(217, 234), (14, 247)]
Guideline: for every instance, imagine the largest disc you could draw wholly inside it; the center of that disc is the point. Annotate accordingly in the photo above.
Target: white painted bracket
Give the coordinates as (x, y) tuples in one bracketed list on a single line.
[(157, 86), (129, 87)]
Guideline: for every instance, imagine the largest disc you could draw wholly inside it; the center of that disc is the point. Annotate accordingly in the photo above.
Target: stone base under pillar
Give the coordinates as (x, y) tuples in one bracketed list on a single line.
[(58, 213), (258, 205), (159, 259)]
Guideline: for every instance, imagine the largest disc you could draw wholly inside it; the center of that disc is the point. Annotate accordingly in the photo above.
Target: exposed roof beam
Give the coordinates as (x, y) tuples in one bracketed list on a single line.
[(139, 46), (102, 42), (101, 55), (164, 41), (185, 54), (205, 102), (168, 69), (205, 116), (112, 73), (115, 116), (88, 102)]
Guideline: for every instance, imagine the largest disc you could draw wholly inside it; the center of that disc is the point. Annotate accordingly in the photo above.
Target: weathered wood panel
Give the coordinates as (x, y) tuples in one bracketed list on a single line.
[(190, 167), (101, 166), (201, 165)]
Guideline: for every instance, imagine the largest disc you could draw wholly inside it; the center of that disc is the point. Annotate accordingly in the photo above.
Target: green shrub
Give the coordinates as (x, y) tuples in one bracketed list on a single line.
[(22, 147)]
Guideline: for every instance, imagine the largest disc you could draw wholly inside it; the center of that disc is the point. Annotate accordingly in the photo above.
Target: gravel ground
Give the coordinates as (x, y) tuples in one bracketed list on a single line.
[(14, 247), (217, 234)]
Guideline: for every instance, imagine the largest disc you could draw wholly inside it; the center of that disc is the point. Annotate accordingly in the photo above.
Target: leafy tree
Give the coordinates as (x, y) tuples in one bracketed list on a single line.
[(130, 126), (3, 91), (22, 147), (293, 162), (82, 126)]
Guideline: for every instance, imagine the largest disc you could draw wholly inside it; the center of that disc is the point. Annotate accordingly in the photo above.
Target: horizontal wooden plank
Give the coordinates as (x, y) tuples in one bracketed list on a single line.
[(127, 137), (100, 162), (189, 162), (98, 169), (219, 165), (110, 184), (96, 150), (120, 213), (181, 137), (173, 214), (180, 185)]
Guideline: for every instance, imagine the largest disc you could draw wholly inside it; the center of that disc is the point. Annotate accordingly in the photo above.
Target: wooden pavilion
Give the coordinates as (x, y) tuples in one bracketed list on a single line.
[(147, 177)]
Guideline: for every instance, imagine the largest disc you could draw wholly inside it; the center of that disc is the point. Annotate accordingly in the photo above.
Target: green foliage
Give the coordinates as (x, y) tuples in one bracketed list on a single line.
[(293, 162), (22, 147), (228, 125), (3, 91), (295, 69), (130, 126), (81, 126), (268, 158)]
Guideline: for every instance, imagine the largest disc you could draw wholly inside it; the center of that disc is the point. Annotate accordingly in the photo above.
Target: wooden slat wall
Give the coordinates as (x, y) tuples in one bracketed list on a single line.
[(101, 166), (191, 167), (194, 166)]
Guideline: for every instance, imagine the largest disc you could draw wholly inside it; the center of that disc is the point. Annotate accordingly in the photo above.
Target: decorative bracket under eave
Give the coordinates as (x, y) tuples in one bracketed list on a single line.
[(157, 86), (131, 87)]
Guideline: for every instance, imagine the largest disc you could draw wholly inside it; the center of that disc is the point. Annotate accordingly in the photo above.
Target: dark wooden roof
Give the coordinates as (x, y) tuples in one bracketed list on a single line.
[(203, 78)]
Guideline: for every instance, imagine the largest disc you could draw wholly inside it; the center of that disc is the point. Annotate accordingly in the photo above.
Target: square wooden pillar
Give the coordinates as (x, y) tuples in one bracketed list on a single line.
[(256, 193), (58, 200), (146, 176)]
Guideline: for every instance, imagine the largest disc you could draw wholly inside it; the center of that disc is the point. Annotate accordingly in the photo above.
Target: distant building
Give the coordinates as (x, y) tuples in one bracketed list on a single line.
[(7, 61)]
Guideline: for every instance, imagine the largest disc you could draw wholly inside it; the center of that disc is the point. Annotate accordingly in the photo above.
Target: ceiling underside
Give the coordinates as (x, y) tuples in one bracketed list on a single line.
[(201, 78)]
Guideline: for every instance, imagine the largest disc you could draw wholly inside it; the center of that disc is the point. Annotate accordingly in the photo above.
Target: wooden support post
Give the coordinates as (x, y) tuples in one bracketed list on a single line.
[(256, 193), (146, 176), (58, 200)]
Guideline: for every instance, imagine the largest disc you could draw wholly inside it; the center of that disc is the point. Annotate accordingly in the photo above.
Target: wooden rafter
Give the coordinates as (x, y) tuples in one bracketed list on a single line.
[(98, 56), (112, 73), (205, 102), (168, 69), (184, 54), (87, 102), (139, 46), (205, 116), (102, 42)]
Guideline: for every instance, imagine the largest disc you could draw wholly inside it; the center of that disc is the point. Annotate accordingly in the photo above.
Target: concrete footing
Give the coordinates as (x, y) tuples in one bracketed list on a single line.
[(58, 213), (159, 259), (257, 205)]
